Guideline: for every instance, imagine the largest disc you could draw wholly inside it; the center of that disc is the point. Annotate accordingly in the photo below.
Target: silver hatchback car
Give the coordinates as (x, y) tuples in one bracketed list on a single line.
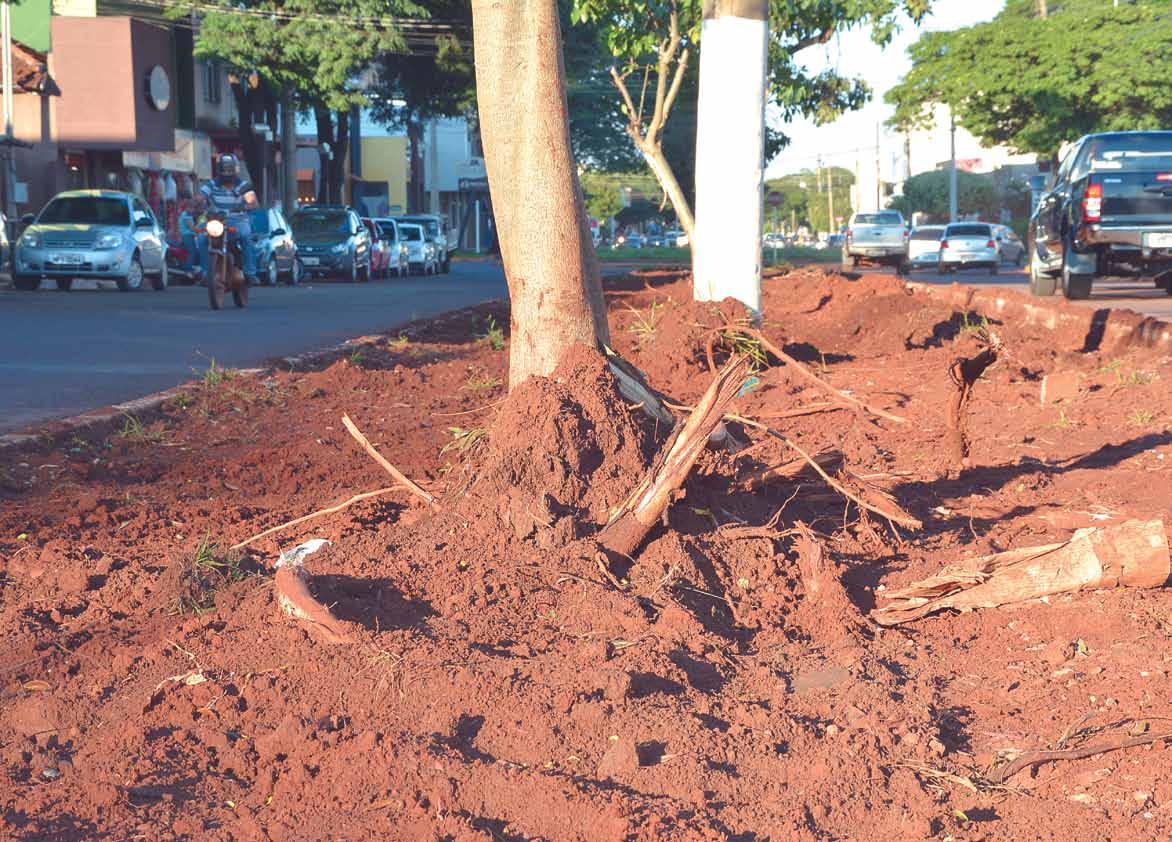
[(102, 234)]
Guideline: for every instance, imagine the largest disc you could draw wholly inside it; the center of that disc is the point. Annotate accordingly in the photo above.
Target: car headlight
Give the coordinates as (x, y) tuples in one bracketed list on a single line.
[(108, 241), (340, 248), (215, 228), (31, 239)]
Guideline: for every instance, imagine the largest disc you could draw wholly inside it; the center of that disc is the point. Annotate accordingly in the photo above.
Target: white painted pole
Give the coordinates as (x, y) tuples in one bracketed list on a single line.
[(952, 168), (730, 151)]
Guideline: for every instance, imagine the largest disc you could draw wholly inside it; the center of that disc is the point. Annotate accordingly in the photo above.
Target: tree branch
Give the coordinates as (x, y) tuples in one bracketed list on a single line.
[(620, 82), (811, 40)]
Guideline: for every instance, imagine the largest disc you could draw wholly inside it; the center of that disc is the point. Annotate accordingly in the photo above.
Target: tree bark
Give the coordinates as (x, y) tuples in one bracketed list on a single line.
[(548, 256), (671, 186), (415, 176), (730, 151)]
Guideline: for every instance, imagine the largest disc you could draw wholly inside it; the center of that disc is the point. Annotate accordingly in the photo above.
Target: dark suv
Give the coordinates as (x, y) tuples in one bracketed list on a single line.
[(1107, 211), (331, 240)]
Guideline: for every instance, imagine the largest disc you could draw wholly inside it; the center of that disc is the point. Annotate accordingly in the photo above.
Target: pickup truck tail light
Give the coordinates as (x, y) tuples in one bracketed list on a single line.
[(991, 245), (944, 244), (850, 235), (1092, 203), (1164, 176)]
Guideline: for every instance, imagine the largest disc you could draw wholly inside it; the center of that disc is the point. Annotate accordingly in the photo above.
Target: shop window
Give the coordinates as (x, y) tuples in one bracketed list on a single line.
[(213, 82)]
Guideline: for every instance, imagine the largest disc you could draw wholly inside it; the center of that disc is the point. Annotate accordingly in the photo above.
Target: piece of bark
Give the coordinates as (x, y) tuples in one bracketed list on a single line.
[(829, 460), (1131, 554), (643, 508), (294, 599)]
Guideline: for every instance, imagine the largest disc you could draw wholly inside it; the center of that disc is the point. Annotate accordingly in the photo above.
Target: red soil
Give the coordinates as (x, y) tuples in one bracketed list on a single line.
[(497, 687)]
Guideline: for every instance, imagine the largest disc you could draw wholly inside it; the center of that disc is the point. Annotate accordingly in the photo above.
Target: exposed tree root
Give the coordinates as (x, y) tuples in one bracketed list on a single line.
[(965, 373), (644, 507), (1037, 758), (357, 498)]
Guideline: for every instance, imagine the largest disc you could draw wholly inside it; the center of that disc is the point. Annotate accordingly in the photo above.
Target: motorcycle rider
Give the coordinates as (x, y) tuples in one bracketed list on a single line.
[(231, 194)]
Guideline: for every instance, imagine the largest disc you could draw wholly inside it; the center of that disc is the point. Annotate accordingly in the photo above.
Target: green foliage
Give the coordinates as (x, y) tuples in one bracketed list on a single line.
[(494, 333), (808, 203), (928, 193), (603, 199), (199, 576), (1033, 83)]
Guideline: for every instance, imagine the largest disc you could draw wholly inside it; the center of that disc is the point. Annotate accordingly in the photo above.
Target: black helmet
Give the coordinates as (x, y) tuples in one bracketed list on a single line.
[(227, 166)]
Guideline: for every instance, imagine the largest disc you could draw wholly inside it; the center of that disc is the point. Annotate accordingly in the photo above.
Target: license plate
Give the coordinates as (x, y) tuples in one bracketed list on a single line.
[(66, 259), (1158, 240), (310, 261), (874, 251)]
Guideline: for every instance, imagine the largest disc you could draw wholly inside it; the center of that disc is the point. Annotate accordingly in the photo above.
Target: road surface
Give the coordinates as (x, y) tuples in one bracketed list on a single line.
[(1141, 296), (65, 353), (62, 353)]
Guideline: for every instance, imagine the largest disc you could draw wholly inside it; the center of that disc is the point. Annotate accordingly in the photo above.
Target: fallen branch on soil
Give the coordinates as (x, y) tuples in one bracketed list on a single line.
[(294, 599), (1132, 554), (643, 508), (634, 388), (1036, 758), (813, 378), (888, 507), (387, 466), (357, 498), (829, 460), (965, 373)]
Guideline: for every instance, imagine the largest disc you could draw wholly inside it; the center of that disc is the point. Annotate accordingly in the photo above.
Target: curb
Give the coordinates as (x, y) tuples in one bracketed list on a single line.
[(1103, 327)]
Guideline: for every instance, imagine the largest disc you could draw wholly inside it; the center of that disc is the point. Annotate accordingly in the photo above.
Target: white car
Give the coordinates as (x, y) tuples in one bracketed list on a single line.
[(969, 245), (923, 247), (422, 255)]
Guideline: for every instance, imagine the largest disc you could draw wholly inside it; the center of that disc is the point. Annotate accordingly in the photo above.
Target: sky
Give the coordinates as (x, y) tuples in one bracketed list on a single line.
[(854, 54)]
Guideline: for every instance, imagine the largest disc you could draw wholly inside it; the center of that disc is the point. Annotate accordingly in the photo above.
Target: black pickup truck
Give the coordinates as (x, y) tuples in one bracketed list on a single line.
[(1107, 212)]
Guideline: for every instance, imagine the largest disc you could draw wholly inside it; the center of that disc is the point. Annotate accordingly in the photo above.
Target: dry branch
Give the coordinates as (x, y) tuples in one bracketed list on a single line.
[(813, 378), (1132, 554), (886, 508), (1037, 758), (386, 466), (643, 508), (829, 460), (357, 498)]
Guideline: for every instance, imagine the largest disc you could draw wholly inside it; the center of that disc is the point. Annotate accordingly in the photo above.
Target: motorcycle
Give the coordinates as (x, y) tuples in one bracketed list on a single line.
[(226, 258)]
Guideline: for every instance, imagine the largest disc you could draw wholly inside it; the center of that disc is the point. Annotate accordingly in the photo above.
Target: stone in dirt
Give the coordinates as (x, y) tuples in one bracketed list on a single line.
[(620, 761), (1060, 386)]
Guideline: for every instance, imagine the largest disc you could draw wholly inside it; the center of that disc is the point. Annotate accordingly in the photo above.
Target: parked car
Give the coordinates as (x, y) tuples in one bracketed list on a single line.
[(923, 247), (435, 228), (968, 245), (676, 238), (104, 234), (399, 263), (632, 240), (380, 252), (655, 241), (276, 250), (331, 240), (879, 237), (422, 255), (1012, 249), (1106, 211), (835, 241)]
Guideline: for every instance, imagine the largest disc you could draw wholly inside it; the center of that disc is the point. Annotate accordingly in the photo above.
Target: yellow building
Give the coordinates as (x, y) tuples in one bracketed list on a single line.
[(382, 188)]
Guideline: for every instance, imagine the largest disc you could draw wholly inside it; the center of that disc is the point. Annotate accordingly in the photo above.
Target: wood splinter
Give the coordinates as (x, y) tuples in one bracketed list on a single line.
[(965, 373)]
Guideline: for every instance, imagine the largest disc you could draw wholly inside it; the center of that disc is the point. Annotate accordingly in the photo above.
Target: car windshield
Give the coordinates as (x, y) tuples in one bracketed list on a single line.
[(428, 225), (1150, 150), (86, 210), (926, 233), (969, 231), (411, 233), (316, 223), (878, 219)]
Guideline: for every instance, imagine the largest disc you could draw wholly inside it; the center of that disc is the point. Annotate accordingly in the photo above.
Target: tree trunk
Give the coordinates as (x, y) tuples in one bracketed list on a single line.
[(662, 171), (245, 119), (730, 151), (546, 248), (338, 163), (415, 166), (325, 135)]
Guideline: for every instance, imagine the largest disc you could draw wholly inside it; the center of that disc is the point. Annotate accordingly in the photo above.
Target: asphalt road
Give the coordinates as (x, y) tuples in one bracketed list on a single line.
[(65, 353), (62, 353)]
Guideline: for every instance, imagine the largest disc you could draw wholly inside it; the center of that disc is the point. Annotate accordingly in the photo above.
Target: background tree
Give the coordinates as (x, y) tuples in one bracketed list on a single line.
[(806, 194), (434, 79), (314, 48), (1032, 82), (927, 193), (603, 199)]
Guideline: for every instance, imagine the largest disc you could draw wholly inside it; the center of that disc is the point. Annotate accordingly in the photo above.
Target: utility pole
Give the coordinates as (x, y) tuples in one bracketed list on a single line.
[(830, 228), (9, 161), (288, 154), (878, 169), (952, 167)]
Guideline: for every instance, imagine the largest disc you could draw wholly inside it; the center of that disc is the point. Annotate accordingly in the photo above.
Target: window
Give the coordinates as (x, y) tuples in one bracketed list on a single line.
[(969, 231), (142, 212), (878, 219), (213, 82), (926, 233), (85, 210)]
